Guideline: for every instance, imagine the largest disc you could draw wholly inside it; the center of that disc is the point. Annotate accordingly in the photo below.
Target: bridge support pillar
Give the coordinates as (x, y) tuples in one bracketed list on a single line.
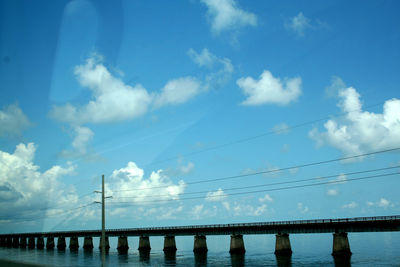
[(282, 245), (200, 244), (107, 243), (50, 243), (144, 244), (88, 243), (73, 243), (2, 242), (31, 242), (15, 242), (169, 244), (61, 245), (22, 242), (341, 246), (9, 242), (40, 243), (237, 245), (122, 244)]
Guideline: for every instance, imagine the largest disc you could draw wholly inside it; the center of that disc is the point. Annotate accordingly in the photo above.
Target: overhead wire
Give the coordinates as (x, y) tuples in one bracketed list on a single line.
[(270, 184), (256, 191), (269, 171), (246, 139)]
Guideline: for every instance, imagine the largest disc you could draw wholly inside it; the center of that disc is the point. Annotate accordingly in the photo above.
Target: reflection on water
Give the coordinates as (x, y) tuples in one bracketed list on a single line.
[(144, 256), (283, 260), (237, 260), (342, 261), (170, 258), (200, 259)]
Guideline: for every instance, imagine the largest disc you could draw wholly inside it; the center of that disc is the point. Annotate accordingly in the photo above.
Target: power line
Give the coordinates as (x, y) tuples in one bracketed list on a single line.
[(272, 171), (238, 141), (272, 184), (261, 191)]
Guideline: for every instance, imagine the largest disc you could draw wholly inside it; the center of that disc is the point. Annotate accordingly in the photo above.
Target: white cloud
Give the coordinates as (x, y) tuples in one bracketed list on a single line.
[(113, 100), (129, 184), (332, 192), (12, 121), (187, 169), (26, 191), (361, 131), (226, 205), (266, 198), (217, 78), (298, 24), (350, 205), (382, 203), (248, 210), (269, 90), (302, 208), (218, 195), (281, 128), (341, 179), (336, 85), (177, 91), (226, 15), (197, 211), (83, 136)]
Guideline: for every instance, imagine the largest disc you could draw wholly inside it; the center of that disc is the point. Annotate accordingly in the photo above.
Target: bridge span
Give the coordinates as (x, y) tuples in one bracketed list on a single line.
[(282, 229)]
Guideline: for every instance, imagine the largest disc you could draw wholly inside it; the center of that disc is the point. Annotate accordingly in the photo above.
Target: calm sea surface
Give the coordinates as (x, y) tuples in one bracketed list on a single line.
[(369, 249)]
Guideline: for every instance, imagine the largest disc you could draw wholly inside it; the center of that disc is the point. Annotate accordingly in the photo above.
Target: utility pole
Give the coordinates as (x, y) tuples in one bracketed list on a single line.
[(103, 222)]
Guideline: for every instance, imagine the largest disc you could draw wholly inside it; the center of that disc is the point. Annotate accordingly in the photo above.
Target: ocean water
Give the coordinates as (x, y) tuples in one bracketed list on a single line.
[(369, 249)]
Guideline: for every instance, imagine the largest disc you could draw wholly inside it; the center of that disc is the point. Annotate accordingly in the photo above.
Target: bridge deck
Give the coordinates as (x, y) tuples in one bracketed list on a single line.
[(359, 224)]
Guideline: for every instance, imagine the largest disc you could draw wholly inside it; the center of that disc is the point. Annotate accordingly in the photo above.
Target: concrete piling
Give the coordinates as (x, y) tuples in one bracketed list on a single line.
[(88, 243), (40, 243), (31, 242), (50, 243), (169, 244), (144, 244), (122, 244), (107, 243), (2, 242), (22, 242), (200, 244), (15, 242), (9, 242), (61, 244), (73, 243), (237, 244), (282, 245), (341, 246)]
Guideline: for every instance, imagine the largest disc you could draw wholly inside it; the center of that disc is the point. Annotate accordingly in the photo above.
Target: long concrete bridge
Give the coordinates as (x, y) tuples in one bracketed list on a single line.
[(282, 229)]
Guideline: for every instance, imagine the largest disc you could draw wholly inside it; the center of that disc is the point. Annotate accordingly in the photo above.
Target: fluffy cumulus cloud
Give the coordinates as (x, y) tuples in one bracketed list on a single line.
[(177, 91), (221, 69), (269, 89), (112, 99), (302, 208), (382, 203), (266, 198), (12, 121), (298, 24), (360, 131), (129, 185), (240, 209), (218, 195), (225, 15), (25, 192)]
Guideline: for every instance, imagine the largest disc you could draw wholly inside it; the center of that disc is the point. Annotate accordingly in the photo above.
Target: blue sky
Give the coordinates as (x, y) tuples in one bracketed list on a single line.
[(161, 95)]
